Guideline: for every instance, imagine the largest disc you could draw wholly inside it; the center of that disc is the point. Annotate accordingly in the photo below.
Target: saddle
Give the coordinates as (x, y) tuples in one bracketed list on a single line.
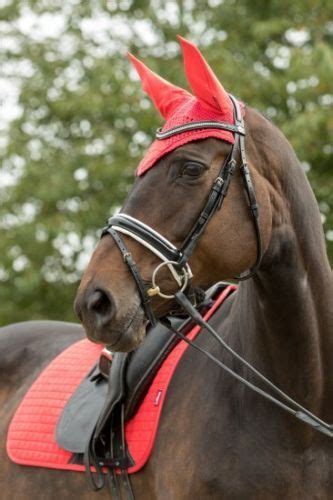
[(116, 377), (93, 420), (120, 380)]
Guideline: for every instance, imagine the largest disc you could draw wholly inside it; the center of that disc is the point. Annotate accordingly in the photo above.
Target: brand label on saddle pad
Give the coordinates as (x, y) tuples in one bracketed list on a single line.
[(31, 435)]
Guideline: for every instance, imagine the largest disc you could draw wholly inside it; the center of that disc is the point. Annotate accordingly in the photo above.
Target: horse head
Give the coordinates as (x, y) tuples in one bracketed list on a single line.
[(172, 185)]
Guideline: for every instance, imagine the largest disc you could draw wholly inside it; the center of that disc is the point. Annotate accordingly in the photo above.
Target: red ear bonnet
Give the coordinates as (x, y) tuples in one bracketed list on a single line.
[(178, 107), (203, 82), (165, 96)]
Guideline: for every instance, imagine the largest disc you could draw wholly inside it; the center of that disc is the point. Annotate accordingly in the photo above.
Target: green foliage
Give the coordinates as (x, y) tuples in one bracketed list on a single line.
[(83, 122)]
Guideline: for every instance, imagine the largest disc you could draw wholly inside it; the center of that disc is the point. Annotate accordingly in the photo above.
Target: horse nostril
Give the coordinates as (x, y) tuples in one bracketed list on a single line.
[(101, 303)]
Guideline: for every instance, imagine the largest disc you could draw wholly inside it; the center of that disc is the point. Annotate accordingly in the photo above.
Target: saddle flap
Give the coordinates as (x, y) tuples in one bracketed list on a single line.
[(79, 416), (145, 361), (91, 405)]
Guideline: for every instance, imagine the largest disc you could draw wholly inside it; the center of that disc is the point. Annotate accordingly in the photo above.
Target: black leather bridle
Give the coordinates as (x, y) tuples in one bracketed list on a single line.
[(177, 259)]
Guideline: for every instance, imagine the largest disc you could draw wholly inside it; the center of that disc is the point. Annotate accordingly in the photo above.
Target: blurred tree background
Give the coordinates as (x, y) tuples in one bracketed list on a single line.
[(74, 121)]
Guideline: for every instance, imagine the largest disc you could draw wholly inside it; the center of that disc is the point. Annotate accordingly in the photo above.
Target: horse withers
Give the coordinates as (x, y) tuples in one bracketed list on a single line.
[(217, 439)]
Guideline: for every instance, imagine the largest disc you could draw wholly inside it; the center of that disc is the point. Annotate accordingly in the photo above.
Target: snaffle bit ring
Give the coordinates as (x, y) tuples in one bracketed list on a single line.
[(183, 277)]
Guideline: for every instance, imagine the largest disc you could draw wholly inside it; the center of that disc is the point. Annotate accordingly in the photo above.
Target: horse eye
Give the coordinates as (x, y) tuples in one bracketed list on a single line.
[(192, 169)]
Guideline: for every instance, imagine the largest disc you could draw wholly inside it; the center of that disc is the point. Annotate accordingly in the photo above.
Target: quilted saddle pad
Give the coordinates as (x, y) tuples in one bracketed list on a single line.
[(31, 435)]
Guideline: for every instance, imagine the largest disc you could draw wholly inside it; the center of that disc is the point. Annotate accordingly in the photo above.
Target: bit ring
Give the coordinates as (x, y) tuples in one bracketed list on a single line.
[(183, 277)]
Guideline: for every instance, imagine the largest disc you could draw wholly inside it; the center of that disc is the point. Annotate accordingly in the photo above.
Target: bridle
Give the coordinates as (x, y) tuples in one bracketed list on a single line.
[(177, 259)]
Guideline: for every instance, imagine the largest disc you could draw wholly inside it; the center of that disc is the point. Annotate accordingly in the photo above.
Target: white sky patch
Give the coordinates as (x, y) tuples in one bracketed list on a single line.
[(6, 179), (215, 3), (22, 68), (4, 276), (9, 43), (324, 207), (11, 170), (81, 174), (96, 147), (9, 106), (67, 46), (73, 75), (20, 263), (41, 234), (100, 29), (27, 214), (88, 244), (144, 29), (305, 166), (72, 205), (280, 56), (169, 11), (75, 253), (141, 138), (5, 3), (297, 37), (29, 210), (99, 26), (261, 69), (326, 100), (67, 244), (40, 27), (328, 149)]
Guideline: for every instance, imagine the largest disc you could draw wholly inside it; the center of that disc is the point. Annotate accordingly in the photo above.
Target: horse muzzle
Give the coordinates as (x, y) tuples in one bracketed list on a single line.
[(103, 322)]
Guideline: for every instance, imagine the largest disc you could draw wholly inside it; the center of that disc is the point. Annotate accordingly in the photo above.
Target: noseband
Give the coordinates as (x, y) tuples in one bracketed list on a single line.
[(177, 259)]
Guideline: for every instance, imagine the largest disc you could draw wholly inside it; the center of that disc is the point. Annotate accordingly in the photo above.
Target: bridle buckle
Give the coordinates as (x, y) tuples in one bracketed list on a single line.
[(153, 291), (126, 256)]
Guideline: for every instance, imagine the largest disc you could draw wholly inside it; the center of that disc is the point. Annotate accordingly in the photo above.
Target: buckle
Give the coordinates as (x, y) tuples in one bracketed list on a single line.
[(127, 256)]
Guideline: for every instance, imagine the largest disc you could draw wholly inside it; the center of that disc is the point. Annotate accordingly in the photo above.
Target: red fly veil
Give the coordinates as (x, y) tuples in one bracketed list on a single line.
[(178, 107)]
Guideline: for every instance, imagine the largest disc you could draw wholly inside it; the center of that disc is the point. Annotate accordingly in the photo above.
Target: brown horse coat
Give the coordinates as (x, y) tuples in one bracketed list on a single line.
[(217, 439)]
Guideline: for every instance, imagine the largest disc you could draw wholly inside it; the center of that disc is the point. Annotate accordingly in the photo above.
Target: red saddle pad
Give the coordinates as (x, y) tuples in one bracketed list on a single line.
[(31, 435)]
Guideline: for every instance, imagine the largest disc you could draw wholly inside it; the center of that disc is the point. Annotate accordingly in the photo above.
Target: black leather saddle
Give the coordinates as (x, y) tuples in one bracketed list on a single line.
[(112, 391), (115, 375)]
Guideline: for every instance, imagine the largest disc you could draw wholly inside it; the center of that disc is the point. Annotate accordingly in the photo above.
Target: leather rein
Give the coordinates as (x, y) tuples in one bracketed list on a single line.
[(177, 260)]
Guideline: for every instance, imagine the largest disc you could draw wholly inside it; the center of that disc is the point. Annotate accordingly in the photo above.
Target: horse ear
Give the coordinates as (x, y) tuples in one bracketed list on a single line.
[(204, 84), (166, 96)]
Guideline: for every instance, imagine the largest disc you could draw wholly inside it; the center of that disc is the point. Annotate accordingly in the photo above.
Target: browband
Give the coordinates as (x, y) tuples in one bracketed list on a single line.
[(236, 129)]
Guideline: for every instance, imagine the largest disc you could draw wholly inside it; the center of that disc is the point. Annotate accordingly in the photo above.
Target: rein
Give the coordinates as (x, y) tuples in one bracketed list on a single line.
[(298, 411)]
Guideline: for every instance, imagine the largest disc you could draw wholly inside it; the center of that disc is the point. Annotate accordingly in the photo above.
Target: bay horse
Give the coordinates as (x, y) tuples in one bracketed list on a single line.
[(217, 439)]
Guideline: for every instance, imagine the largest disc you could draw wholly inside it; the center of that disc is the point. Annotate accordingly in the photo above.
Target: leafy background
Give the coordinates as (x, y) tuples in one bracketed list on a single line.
[(74, 121)]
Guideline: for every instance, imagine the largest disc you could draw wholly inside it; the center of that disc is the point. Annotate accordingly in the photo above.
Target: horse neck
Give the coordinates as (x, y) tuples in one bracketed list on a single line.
[(284, 315)]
